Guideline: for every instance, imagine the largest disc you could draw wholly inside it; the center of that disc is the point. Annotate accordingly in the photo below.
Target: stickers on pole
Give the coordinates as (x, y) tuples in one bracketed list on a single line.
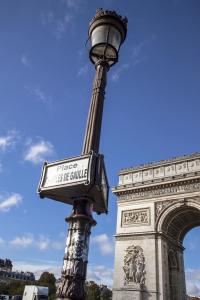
[(70, 179)]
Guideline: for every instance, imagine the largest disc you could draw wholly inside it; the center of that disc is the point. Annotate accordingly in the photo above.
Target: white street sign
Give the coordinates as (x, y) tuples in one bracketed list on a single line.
[(82, 176), (74, 171)]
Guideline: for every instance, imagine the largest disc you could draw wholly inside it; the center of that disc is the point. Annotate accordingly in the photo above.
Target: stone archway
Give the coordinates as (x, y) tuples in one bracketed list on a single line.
[(158, 203), (174, 222), (179, 217), (173, 269)]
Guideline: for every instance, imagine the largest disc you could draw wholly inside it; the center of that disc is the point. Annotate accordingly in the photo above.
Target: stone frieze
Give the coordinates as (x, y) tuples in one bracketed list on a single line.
[(183, 187), (135, 217)]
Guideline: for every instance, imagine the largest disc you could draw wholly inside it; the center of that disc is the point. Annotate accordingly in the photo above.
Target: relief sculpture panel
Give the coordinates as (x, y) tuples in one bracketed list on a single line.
[(134, 266), (135, 217)]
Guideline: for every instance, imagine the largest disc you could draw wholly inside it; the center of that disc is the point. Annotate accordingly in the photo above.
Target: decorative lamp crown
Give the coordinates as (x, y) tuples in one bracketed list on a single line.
[(107, 31)]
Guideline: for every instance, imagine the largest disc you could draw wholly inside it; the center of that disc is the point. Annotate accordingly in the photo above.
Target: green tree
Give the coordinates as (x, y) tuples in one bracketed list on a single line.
[(105, 293), (12, 287), (16, 287), (92, 291), (48, 279), (4, 288)]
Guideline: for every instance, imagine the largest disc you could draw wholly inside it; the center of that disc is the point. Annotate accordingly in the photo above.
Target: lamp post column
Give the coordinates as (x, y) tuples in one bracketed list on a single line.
[(80, 221), (93, 129), (107, 32)]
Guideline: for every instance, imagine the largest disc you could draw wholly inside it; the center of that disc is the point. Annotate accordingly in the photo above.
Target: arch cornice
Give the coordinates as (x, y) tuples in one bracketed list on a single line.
[(178, 187)]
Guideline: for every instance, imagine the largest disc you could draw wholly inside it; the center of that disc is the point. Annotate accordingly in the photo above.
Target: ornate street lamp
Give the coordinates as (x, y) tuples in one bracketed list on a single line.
[(107, 31), (82, 181)]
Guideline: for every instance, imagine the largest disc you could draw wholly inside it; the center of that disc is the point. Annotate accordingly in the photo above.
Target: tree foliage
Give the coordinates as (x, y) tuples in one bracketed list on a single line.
[(97, 292), (4, 288), (92, 291), (12, 287), (48, 279), (16, 287)]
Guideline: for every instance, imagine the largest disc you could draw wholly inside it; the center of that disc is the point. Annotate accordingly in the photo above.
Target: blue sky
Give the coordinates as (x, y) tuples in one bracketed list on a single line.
[(151, 113)]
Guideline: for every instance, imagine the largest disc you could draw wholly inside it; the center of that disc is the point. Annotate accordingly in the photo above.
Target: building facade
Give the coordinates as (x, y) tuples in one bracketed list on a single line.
[(6, 272), (158, 203), (6, 265)]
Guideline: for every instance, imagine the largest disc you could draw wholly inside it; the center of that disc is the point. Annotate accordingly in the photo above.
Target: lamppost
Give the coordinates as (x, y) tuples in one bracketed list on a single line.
[(64, 181)]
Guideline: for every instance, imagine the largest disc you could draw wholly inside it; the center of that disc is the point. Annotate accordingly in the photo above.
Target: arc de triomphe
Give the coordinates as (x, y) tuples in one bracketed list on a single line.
[(158, 203)]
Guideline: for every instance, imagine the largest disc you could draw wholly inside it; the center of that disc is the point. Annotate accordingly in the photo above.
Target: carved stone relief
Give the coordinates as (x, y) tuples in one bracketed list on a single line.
[(135, 217), (171, 186), (160, 191), (161, 205), (171, 169), (134, 266)]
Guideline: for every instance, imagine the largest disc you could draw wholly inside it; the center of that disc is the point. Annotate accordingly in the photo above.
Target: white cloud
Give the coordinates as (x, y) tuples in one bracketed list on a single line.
[(39, 151), (40, 242), (38, 267), (192, 245), (10, 201), (59, 25), (43, 243), (193, 282), (193, 274), (9, 140), (2, 242), (136, 57), (100, 274), (72, 4), (193, 289), (104, 243), (40, 96), (58, 245), (116, 74), (136, 50), (83, 71), (25, 61), (22, 242)]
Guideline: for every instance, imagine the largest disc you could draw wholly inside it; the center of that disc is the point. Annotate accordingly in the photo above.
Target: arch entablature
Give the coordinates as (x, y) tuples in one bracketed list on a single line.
[(178, 218)]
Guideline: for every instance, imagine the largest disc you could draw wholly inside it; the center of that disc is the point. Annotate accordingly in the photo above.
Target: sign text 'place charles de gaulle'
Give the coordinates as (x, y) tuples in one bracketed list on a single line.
[(84, 175)]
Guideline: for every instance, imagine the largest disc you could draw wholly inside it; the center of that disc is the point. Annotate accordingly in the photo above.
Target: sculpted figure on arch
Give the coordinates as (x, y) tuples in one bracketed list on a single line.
[(134, 265)]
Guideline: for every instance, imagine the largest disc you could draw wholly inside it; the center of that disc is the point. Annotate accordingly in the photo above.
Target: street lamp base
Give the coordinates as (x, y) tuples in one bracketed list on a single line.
[(72, 285)]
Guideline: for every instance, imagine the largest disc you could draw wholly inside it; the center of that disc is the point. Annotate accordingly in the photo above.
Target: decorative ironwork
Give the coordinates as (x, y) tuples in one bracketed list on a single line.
[(101, 13)]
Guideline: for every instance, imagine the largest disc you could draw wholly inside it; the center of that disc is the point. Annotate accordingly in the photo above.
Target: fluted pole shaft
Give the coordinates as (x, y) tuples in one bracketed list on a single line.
[(93, 129)]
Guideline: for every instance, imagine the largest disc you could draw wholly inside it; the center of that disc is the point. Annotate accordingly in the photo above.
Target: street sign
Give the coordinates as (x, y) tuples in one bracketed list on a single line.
[(66, 172), (83, 176)]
